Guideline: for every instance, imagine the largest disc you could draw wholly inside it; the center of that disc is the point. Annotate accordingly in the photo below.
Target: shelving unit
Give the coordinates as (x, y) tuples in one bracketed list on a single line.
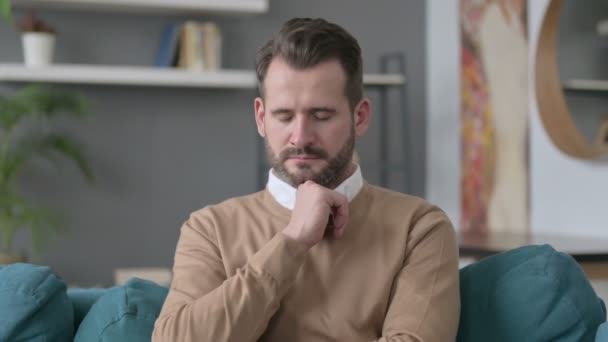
[(585, 85), (152, 6), (151, 76)]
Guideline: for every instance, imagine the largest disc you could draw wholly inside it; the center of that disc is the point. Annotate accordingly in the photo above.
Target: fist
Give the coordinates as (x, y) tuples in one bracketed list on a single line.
[(315, 207)]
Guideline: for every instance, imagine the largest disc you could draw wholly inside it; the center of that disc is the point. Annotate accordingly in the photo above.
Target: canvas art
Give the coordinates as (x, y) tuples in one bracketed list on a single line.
[(494, 116)]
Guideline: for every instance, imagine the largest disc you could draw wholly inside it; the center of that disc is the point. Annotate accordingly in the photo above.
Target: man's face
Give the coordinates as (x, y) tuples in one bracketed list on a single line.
[(307, 123)]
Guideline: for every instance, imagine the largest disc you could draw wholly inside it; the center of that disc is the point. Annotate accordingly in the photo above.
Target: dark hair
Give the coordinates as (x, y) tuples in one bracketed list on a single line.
[(305, 42)]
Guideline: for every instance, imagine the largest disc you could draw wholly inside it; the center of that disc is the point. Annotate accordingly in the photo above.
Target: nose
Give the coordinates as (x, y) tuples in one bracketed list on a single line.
[(302, 133)]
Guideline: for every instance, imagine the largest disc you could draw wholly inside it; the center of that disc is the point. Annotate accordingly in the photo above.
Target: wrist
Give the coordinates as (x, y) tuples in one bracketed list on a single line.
[(292, 234)]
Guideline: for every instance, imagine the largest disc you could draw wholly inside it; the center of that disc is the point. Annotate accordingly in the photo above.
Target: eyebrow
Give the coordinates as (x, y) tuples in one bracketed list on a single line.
[(279, 111), (311, 110), (321, 109)]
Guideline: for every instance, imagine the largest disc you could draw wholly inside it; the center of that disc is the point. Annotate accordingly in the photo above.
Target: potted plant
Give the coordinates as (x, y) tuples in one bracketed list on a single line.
[(27, 134), (37, 36)]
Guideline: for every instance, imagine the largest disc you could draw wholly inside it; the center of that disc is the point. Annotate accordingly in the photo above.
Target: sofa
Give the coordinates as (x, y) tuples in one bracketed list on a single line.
[(533, 293)]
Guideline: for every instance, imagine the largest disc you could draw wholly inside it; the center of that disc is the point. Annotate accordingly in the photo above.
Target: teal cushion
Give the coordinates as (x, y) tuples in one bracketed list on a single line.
[(602, 333), (82, 301), (124, 313), (531, 293), (34, 305)]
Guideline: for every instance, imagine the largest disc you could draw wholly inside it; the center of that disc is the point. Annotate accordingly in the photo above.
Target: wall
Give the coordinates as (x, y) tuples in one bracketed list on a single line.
[(161, 153), (443, 106), (567, 195)]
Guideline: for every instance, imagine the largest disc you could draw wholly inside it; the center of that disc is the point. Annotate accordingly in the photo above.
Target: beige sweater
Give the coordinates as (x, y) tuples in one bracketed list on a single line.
[(392, 277)]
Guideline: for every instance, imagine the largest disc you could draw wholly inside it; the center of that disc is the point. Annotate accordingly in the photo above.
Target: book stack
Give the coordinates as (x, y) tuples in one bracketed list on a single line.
[(191, 45)]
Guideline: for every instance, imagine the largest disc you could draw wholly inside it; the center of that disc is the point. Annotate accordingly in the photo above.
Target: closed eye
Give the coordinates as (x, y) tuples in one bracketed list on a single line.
[(283, 115), (322, 116), (284, 118), (323, 113)]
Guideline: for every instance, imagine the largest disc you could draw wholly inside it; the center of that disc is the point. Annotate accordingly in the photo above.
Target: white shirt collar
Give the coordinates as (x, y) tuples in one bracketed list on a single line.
[(285, 194)]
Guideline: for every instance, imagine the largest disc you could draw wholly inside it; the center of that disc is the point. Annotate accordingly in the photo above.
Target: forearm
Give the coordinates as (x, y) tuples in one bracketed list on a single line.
[(240, 308), (426, 301)]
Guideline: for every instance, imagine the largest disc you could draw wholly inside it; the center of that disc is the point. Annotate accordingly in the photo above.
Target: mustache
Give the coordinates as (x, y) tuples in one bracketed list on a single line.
[(307, 150)]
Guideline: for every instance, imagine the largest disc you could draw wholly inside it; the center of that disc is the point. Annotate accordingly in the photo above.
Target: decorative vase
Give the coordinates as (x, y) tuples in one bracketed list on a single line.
[(38, 48)]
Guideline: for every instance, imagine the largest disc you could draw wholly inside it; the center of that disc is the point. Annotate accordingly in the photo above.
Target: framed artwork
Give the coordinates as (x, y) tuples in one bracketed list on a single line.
[(494, 116)]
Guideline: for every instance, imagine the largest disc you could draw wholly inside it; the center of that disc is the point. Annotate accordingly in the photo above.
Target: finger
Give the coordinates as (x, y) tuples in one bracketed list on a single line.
[(339, 231), (340, 209)]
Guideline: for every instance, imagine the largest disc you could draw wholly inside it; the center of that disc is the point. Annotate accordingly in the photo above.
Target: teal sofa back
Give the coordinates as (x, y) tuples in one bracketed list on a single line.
[(124, 313), (529, 294), (532, 293), (34, 305)]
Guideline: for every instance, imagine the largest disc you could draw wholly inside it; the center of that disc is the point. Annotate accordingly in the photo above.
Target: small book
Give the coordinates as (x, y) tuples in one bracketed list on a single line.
[(200, 47), (167, 53), (211, 46), (190, 54)]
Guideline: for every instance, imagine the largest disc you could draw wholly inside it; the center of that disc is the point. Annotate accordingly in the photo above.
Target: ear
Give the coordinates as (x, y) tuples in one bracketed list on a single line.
[(259, 115), (362, 116)]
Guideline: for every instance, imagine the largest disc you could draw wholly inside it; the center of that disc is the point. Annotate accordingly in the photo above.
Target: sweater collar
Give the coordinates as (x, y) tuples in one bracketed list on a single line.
[(285, 194)]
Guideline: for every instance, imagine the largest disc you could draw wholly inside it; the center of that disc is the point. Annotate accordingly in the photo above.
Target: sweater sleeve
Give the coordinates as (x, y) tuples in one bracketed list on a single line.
[(204, 304), (425, 298)]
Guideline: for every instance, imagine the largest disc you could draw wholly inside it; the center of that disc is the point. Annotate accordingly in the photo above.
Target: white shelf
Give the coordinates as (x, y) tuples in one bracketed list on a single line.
[(586, 85), (159, 6), (383, 79), (151, 76), (126, 75)]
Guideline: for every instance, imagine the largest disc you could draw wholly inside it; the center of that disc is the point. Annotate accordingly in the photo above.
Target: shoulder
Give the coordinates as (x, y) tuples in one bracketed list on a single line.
[(405, 209), (209, 216), (388, 200)]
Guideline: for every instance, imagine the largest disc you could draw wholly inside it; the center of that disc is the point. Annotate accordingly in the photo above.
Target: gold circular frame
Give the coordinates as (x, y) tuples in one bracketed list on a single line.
[(552, 106)]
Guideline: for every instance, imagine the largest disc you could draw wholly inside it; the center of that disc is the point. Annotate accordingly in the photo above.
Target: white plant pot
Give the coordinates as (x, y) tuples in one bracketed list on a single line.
[(38, 48)]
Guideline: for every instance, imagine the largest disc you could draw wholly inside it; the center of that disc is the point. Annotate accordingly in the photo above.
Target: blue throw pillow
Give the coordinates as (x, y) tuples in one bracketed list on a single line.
[(34, 305), (531, 293), (124, 313)]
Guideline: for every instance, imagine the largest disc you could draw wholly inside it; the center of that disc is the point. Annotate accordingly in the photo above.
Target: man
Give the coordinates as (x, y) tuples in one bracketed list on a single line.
[(319, 255)]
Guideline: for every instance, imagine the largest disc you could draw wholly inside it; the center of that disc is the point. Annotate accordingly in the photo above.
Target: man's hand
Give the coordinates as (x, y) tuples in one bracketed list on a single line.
[(315, 206)]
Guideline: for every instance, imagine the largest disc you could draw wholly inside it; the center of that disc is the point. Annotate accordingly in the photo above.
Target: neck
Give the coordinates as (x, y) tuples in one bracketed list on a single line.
[(349, 172)]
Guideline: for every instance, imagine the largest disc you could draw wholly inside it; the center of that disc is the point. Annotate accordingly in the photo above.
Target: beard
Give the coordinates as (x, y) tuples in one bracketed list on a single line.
[(330, 176)]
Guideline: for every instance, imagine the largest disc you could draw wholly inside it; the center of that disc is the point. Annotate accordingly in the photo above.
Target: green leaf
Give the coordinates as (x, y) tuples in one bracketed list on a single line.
[(12, 110), (69, 149), (5, 10), (39, 101), (47, 146), (11, 207), (44, 225), (26, 133), (15, 214), (48, 102), (12, 160)]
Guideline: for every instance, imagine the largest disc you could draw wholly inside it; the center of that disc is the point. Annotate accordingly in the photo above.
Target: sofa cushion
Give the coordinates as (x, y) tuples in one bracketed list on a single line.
[(124, 313), (34, 305), (602, 333), (531, 293), (82, 300)]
